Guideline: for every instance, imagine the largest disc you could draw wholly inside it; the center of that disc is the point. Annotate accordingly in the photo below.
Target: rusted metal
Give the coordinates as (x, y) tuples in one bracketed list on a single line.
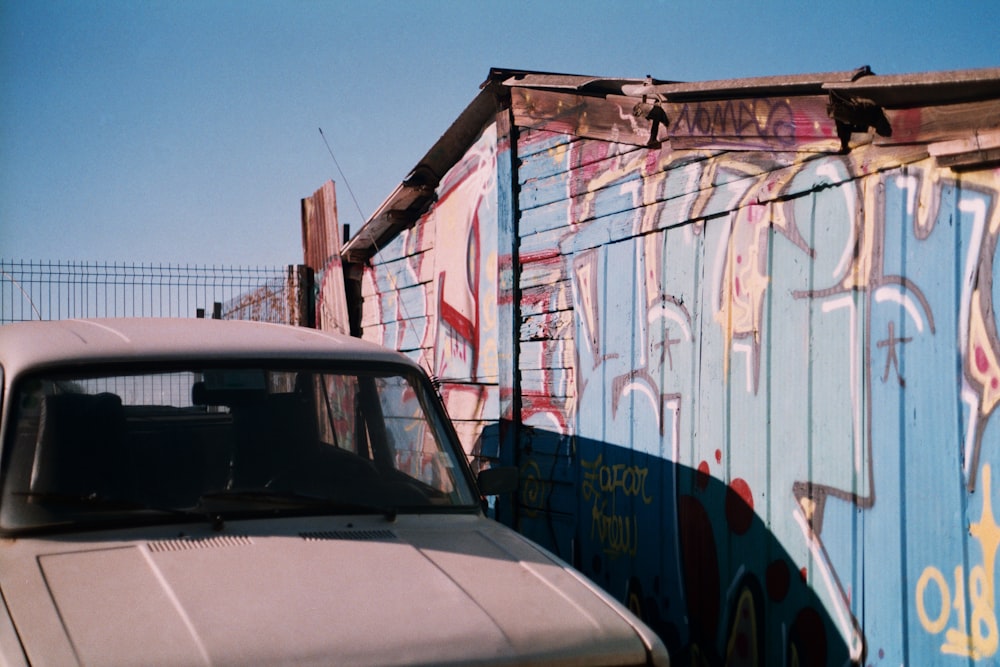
[(321, 249)]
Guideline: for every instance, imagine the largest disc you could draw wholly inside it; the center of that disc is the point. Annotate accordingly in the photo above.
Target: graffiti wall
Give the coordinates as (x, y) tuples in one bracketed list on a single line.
[(784, 372), (755, 376), (432, 291)]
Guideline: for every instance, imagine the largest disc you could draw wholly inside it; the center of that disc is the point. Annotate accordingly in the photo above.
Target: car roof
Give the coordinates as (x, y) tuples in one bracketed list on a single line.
[(27, 345)]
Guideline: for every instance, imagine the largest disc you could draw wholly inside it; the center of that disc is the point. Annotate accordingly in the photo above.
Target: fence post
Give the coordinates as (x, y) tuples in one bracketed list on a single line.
[(301, 296)]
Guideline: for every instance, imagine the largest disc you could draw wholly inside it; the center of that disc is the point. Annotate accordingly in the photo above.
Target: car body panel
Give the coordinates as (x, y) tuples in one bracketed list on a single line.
[(419, 590), (27, 345), (435, 585)]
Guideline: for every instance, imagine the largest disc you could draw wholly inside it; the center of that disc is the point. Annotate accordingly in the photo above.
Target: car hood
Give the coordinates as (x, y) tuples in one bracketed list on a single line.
[(419, 590)]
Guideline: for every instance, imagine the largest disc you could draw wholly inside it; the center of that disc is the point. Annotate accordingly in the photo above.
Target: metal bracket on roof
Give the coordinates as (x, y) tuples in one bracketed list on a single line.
[(864, 70), (421, 191), (652, 111), (856, 114), (422, 176), (402, 219)]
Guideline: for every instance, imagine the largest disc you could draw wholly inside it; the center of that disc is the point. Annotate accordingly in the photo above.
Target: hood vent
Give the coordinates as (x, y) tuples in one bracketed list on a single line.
[(378, 534), (187, 543)]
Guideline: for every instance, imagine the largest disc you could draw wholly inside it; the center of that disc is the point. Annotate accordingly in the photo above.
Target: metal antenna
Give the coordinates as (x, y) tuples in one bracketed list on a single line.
[(349, 190), (401, 304), (23, 292)]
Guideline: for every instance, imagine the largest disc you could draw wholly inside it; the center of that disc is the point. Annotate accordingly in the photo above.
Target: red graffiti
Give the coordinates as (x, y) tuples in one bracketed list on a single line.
[(739, 506), (703, 476)]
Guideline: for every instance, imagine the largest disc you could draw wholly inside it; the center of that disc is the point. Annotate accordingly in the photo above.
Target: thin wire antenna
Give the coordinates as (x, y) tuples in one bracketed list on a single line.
[(400, 302), (23, 292), (349, 190)]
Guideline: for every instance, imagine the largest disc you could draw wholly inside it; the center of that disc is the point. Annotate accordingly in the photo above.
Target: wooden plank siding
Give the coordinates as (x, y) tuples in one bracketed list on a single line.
[(430, 291), (940, 123), (724, 387), (764, 123), (749, 370)]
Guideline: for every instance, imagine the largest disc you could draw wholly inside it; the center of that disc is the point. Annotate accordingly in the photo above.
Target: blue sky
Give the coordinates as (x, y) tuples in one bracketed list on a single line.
[(187, 132)]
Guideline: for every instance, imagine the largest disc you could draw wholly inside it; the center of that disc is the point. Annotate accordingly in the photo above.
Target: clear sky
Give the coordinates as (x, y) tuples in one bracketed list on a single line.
[(187, 131)]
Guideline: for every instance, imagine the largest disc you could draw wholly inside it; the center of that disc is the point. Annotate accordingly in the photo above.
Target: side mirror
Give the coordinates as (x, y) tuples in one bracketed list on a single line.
[(494, 481)]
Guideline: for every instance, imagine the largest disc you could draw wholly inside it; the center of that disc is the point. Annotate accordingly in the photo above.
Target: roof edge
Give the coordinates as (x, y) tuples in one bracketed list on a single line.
[(411, 198), (417, 192)]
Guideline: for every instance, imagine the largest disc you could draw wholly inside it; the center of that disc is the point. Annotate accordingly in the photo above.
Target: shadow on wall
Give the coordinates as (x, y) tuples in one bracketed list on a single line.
[(681, 548)]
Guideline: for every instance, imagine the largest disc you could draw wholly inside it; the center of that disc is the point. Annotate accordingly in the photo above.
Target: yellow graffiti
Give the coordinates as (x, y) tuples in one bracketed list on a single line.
[(532, 493), (745, 279), (629, 479), (742, 647), (617, 533), (974, 635)]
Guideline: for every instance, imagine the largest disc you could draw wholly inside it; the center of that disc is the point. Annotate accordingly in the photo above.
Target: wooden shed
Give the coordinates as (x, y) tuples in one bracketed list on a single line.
[(740, 337)]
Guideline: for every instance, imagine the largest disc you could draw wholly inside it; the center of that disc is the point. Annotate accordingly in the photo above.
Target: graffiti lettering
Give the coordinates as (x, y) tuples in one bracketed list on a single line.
[(980, 640), (630, 480), (617, 533), (891, 360), (974, 635), (789, 288), (532, 494), (766, 118)]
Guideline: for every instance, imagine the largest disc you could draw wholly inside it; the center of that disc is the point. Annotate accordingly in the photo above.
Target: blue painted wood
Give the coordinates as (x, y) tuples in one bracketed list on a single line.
[(544, 218), (545, 190), (405, 271), (935, 502), (545, 242), (779, 344), (545, 274), (565, 156), (532, 142), (547, 297)]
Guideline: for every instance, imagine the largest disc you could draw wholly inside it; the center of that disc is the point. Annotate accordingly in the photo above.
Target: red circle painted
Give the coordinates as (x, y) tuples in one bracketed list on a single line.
[(739, 506), (701, 479)]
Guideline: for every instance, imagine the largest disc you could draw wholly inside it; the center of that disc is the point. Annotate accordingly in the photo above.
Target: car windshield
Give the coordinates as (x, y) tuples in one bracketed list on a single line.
[(91, 449)]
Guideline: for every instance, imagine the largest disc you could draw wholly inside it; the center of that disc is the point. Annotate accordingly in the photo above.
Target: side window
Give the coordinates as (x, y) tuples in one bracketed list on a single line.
[(336, 403), (412, 438)]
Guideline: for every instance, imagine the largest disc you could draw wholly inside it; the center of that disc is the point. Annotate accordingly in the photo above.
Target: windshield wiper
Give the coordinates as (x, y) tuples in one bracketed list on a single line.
[(289, 500), (111, 503)]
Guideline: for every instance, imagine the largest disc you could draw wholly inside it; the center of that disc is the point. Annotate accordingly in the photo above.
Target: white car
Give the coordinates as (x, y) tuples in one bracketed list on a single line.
[(201, 492)]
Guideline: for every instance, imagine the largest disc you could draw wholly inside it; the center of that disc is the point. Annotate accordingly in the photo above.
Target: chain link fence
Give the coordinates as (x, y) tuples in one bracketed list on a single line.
[(50, 290)]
